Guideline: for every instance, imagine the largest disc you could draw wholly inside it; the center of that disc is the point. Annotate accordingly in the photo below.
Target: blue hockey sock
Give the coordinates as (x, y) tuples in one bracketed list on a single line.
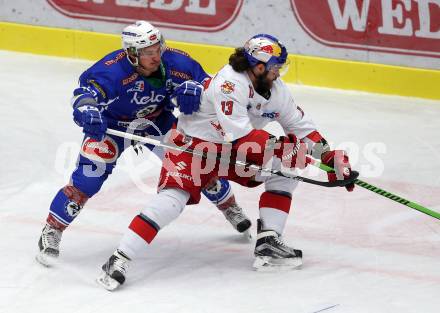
[(66, 205), (219, 192)]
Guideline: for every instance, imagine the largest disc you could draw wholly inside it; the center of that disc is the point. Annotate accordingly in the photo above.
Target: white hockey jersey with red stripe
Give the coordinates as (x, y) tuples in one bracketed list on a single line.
[(231, 108)]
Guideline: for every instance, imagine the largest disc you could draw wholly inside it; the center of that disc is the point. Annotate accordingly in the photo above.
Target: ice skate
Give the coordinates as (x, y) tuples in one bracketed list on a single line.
[(49, 245), (272, 254), (113, 271), (234, 214)]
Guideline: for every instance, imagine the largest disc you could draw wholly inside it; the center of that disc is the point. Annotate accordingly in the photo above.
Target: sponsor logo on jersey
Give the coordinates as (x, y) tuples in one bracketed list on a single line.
[(180, 165), (118, 58), (178, 51), (270, 115), (218, 127), (138, 86), (180, 175), (152, 98), (181, 75), (204, 16), (130, 79), (101, 151), (227, 87), (393, 26)]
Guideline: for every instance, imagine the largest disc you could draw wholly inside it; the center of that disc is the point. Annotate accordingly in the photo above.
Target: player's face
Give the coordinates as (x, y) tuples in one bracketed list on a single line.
[(272, 75), (149, 58), (264, 78)]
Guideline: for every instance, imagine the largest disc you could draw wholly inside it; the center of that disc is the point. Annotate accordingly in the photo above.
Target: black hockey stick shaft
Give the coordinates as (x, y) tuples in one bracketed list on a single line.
[(384, 193), (212, 156)]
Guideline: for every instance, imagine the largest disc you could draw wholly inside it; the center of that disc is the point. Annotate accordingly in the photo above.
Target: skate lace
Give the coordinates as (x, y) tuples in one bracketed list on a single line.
[(121, 265), (234, 213), (280, 242), (52, 237)]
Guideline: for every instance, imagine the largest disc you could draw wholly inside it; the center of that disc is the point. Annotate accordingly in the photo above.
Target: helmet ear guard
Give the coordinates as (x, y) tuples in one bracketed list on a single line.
[(264, 48), (138, 36)]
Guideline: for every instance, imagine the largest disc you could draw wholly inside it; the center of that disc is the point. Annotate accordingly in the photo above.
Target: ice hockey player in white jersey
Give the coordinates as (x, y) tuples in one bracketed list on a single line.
[(237, 103)]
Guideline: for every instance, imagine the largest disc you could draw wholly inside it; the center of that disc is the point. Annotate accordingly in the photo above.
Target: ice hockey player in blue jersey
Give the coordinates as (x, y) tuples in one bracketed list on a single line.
[(128, 90)]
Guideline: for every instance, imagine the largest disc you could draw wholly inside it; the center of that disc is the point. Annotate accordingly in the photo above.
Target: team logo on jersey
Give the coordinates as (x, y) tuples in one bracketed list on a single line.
[(258, 106), (227, 87), (270, 115), (138, 86), (144, 112), (102, 151)]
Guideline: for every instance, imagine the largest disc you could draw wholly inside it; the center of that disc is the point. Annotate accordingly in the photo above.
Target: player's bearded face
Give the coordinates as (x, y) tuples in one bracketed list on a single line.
[(264, 82)]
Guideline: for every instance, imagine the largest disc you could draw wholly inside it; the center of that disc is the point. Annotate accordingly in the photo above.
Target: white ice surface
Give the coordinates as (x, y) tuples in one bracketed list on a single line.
[(362, 252)]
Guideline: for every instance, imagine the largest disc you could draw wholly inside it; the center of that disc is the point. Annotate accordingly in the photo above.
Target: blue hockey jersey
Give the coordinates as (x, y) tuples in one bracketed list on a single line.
[(123, 95)]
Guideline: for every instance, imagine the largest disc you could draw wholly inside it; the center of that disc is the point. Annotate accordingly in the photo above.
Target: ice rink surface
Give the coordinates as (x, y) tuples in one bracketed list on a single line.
[(362, 253)]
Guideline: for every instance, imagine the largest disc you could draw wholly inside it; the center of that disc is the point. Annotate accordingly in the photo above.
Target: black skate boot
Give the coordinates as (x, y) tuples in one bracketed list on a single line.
[(49, 245), (271, 253), (114, 271)]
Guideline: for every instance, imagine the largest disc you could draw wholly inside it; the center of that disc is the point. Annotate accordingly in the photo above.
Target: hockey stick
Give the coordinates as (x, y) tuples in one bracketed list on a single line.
[(337, 183), (383, 193)]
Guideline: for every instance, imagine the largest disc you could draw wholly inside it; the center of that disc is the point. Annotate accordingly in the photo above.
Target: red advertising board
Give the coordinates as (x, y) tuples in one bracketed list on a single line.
[(395, 26), (200, 15)]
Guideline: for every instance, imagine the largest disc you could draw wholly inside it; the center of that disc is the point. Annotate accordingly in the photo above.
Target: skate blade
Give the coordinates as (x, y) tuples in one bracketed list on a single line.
[(268, 264), (46, 259), (107, 282)]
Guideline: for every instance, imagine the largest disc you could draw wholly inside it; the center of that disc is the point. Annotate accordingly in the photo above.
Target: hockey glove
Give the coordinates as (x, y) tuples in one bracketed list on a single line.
[(91, 120), (292, 152), (187, 96), (339, 161)]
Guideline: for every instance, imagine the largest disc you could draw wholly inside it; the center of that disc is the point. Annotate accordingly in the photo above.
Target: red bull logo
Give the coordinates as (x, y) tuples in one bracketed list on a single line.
[(272, 49), (227, 87)]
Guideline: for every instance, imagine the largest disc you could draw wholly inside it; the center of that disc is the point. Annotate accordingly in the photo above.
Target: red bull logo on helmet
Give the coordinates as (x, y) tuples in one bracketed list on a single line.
[(272, 49)]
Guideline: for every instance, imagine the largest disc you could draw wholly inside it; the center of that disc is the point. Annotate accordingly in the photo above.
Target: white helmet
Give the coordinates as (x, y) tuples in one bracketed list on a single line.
[(269, 50), (140, 35)]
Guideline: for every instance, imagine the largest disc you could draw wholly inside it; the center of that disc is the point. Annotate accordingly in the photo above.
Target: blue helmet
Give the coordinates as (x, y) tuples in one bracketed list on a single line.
[(267, 49)]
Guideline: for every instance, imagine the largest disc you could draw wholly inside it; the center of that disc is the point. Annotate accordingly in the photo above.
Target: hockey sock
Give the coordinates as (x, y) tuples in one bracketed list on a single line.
[(274, 210), (66, 206), (219, 193)]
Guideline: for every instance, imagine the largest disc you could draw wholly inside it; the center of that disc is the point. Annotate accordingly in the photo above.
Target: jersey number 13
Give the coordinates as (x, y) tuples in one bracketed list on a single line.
[(227, 107)]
